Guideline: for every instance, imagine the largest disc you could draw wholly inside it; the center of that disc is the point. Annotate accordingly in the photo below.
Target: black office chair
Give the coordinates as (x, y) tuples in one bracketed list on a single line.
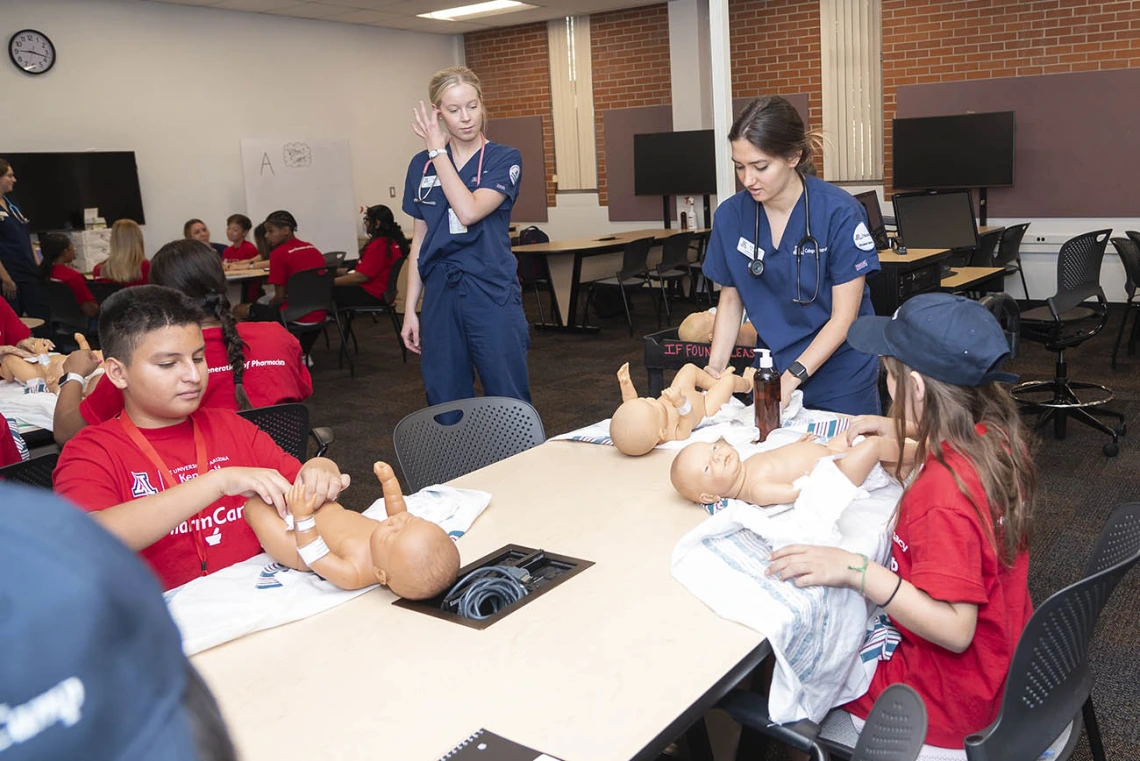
[(986, 250), (1068, 320), (34, 472), (1130, 255), (698, 283), (288, 426), (335, 258), (103, 289), (1049, 686), (673, 267), (351, 311), (634, 272), (312, 291), (1005, 309), (534, 273), (1009, 253), (439, 443), (66, 316)]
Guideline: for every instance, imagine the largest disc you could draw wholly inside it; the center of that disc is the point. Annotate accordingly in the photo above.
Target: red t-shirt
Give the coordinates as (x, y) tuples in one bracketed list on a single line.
[(73, 280), (102, 467), (376, 262), (943, 548), (240, 252), (9, 452), (145, 266), (12, 329), (291, 257), (275, 373)]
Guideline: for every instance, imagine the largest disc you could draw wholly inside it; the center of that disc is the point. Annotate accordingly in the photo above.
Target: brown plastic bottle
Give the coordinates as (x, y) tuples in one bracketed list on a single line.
[(766, 396)]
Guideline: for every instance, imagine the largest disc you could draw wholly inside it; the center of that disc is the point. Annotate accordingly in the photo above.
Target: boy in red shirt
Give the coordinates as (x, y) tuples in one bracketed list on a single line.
[(288, 256), (240, 249), (169, 479)]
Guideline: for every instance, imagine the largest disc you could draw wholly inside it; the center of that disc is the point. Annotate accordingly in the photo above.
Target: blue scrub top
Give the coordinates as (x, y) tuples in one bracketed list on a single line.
[(483, 252), (16, 244), (847, 251)]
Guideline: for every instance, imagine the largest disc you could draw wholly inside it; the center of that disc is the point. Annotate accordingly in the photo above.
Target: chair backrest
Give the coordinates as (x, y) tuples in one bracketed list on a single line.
[(1049, 678), (102, 289), (895, 729), (1004, 308), (635, 258), (987, 248), (1133, 236), (533, 268), (1078, 262), (393, 288), (675, 252), (309, 291), (286, 424), (532, 234), (448, 440), (1009, 247), (62, 305), (335, 258), (1130, 255), (34, 472)]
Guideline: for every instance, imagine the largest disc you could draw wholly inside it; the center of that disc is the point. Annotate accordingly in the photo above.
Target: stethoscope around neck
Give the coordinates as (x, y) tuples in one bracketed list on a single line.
[(422, 197), (756, 266)]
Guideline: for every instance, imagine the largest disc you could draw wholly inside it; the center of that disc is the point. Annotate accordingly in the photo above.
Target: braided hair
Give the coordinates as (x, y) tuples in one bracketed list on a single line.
[(381, 224), (193, 268)]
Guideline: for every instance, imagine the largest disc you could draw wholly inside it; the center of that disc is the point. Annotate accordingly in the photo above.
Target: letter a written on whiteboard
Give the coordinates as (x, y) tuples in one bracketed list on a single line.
[(265, 162)]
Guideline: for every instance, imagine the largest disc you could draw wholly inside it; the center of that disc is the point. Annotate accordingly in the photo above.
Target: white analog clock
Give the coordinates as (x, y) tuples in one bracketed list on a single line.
[(31, 51)]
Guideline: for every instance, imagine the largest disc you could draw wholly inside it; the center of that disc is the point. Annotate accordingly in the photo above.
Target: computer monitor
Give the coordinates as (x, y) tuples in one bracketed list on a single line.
[(937, 220), (875, 226)]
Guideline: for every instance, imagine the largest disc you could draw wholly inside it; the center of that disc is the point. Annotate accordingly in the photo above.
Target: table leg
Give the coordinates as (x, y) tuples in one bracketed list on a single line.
[(565, 271)]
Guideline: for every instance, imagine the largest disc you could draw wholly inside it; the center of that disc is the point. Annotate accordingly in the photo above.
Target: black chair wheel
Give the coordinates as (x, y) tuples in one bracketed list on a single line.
[(1111, 449)]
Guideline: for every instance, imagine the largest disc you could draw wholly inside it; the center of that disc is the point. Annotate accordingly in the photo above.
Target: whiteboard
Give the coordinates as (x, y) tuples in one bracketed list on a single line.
[(311, 179)]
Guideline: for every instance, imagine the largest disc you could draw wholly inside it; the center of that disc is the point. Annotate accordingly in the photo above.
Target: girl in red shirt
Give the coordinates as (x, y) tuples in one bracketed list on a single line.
[(957, 583), (58, 252), (127, 262), (366, 285)]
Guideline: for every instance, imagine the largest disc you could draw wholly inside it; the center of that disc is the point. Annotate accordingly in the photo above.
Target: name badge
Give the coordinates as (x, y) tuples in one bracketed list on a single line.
[(429, 181), (747, 248), (454, 226)]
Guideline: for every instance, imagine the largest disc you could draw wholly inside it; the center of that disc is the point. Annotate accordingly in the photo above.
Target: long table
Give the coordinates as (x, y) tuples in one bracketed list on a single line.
[(611, 665), (580, 260)]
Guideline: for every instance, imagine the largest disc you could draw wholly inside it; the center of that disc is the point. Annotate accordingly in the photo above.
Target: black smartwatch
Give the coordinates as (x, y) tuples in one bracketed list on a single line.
[(799, 371)]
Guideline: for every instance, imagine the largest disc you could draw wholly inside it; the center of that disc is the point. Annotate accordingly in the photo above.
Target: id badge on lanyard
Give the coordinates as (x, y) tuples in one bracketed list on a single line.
[(169, 480)]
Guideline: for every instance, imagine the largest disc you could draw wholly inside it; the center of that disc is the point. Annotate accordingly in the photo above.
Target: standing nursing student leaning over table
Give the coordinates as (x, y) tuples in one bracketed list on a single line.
[(800, 274), (460, 192)]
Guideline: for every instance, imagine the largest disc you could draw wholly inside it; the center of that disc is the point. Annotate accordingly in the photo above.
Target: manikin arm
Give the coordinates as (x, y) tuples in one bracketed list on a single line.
[(393, 496), (628, 392), (766, 495)]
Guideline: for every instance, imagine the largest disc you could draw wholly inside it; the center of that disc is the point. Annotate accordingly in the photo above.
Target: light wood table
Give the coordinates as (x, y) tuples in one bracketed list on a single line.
[(578, 260), (31, 323), (611, 665), (966, 277), (912, 256), (903, 276)]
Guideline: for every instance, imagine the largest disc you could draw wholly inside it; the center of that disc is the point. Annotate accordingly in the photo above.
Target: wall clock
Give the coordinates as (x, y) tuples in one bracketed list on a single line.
[(31, 51)]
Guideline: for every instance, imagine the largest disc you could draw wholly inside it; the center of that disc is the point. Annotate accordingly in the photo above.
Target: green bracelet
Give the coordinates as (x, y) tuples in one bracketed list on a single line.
[(863, 570)]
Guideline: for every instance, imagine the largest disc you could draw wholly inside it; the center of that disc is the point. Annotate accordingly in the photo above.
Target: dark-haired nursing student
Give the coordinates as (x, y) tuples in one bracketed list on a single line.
[(460, 192), (795, 253), (250, 364), (18, 280), (365, 285)]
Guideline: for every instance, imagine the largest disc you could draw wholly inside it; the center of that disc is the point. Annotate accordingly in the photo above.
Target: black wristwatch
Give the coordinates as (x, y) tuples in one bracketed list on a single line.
[(799, 371)]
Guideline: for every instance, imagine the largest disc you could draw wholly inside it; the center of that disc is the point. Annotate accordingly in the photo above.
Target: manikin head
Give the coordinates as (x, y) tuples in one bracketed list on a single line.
[(704, 472), (637, 426), (414, 558), (697, 327)]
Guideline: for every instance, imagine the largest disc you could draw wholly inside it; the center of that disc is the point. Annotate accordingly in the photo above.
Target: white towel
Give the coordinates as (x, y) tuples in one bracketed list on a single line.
[(259, 594), (28, 409), (815, 632)]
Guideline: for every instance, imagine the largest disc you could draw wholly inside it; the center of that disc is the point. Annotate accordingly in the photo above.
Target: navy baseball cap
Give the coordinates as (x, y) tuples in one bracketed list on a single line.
[(91, 664), (949, 338)]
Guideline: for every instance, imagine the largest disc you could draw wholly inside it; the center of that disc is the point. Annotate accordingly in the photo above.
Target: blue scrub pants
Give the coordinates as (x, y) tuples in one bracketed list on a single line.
[(30, 301), (463, 331), (857, 401)]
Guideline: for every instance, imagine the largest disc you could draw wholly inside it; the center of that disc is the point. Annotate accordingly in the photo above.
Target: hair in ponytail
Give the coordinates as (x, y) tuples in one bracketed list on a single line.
[(193, 268), (382, 224), (52, 247)]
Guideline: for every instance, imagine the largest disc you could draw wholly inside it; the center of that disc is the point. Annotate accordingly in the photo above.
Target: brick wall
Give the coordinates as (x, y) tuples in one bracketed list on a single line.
[(630, 57), (775, 51), (926, 41), (514, 67)]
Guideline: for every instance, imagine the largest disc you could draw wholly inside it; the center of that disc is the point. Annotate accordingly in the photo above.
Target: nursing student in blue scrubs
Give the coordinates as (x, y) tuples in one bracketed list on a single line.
[(18, 280), (460, 192), (801, 305)]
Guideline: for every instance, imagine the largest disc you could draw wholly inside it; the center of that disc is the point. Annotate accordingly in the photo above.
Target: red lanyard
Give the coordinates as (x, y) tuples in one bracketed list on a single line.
[(169, 481), (478, 172)]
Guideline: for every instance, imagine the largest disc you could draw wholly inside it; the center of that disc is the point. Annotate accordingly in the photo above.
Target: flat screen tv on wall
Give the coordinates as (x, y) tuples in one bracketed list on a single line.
[(674, 163), (53, 189), (961, 151)]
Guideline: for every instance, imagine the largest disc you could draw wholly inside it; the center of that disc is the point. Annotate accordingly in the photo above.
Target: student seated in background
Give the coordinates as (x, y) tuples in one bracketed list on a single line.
[(251, 364), (288, 256), (365, 285), (58, 252), (195, 229), (240, 249), (127, 262), (169, 477)]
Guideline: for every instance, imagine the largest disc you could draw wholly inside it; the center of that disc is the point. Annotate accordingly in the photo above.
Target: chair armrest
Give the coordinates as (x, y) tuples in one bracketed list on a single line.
[(751, 710), (324, 437)]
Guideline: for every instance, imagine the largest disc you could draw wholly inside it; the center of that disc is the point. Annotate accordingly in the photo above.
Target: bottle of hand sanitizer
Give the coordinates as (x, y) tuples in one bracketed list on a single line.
[(766, 396), (692, 212)]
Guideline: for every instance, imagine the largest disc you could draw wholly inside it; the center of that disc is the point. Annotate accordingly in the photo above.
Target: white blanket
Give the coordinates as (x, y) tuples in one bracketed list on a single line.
[(815, 632), (28, 409), (260, 594)]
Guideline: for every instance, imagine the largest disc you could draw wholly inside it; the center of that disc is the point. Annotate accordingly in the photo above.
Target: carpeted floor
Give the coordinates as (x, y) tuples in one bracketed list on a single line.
[(573, 384)]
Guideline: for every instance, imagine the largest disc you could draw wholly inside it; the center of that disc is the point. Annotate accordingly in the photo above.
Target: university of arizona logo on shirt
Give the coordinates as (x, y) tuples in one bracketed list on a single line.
[(141, 486)]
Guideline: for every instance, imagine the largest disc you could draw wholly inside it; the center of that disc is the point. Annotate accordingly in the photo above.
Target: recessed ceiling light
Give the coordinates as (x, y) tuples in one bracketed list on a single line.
[(491, 8)]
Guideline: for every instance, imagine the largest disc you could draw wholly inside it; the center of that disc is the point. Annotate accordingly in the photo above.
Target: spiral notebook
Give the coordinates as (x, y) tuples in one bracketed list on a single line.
[(488, 746)]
